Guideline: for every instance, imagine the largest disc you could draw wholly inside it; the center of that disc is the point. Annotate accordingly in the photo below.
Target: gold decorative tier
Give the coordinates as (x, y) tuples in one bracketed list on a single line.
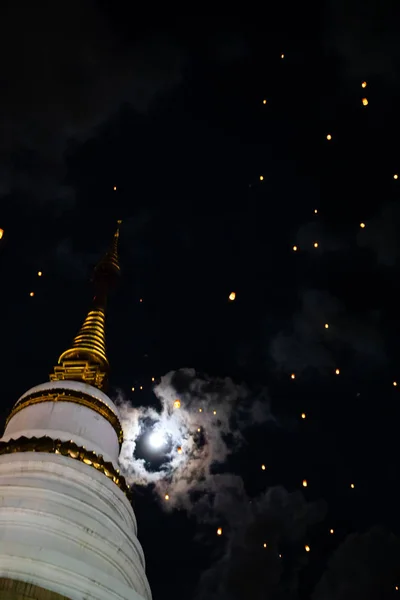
[(68, 449), (86, 360)]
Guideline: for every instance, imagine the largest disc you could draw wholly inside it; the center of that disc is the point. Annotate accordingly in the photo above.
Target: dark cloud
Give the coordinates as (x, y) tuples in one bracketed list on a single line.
[(381, 235), (63, 72), (247, 569), (365, 566), (364, 34), (309, 344)]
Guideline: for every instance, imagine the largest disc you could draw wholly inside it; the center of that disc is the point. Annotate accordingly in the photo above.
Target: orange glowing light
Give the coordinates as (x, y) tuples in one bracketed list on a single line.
[(303, 415), (264, 545), (365, 101), (315, 211), (395, 383), (395, 176), (307, 548), (282, 56), (294, 248), (40, 273), (364, 84), (263, 467), (200, 410), (329, 137), (261, 177), (152, 378), (219, 531), (31, 294), (337, 371), (166, 496), (352, 486), (315, 244), (115, 188), (305, 484), (198, 429), (331, 531), (264, 101), (362, 225), (232, 296), (214, 412), (133, 389), (1, 233), (141, 387), (293, 376), (326, 325), (177, 403), (179, 450)]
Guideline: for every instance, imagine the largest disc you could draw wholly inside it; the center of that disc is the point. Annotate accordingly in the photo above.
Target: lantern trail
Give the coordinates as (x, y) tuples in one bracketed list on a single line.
[(68, 527)]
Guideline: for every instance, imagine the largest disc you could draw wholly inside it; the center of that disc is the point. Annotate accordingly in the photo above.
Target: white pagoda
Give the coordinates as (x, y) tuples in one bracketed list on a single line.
[(67, 527)]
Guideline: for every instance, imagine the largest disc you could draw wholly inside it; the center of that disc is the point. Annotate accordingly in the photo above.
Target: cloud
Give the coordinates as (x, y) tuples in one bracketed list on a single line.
[(198, 436), (364, 35), (64, 71), (381, 235), (365, 566), (309, 344), (248, 570)]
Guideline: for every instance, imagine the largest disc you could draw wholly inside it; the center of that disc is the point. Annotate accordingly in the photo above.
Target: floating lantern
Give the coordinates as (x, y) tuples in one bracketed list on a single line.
[(326, 325), (1, 233), (166, 497), (362, 225), (232, 296), (315, 244), (329, 137), (177, 403), (31, 294), (219, 531), (293, 376), (305, 484), (294, 248), (303, 415), (263, 467), (307, 548), (364, 84), (337, 371), (365, 101)]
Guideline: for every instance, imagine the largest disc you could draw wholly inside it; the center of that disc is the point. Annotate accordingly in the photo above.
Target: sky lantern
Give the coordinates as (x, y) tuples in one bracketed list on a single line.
[(152, 378), (264, 545), (214, 412), (331, 531), (362, 225), (219, 531), (261, 177), (31, 294), (294, 248), (115, 188), (365, 101), (179, 449), (315, 211), (133, 389), (282, 56), (305, 484), (352, 486), (263, 467), (395, 383), (364, 84), (292, 376), (329, 137), (177, 403), (200, 410), (395, 176), (40, 273), (307, 548), (141, 387), (1, 233), (264, 101), (198, 429), (337, 371), (326, 325), (232, 296), (303, 415), (166, 497)]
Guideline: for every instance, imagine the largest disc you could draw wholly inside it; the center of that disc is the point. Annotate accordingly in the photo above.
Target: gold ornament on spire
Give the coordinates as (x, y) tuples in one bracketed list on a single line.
[(86, 360)]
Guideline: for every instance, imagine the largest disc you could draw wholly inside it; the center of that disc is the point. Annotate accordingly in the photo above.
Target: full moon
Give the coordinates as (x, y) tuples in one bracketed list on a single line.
[(156, 440)]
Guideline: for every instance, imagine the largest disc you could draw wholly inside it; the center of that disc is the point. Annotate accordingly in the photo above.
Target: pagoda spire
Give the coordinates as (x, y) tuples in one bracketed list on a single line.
[(86, 359)]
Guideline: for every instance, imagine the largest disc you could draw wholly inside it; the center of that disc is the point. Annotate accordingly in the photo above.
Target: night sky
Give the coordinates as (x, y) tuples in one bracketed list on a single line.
[(214, 133)]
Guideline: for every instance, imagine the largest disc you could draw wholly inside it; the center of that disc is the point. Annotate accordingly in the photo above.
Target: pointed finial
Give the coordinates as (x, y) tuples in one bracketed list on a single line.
[(86, 360)]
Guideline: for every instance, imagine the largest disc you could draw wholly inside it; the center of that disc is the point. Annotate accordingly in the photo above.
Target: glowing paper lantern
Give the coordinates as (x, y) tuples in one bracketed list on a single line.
[(315, 211), (263, 467), (329, 137), (331, 531), (1, 233), (395, 176), (282, 56), (294, 248), (261, 177), (214, 412), (152, 378), (364, 101), (352, 486), (307, 548), (198, 429), (232, 296), (200, 410), (315, 244), (305, 484), (115, 188), (31, 294), (326, 325), (177, 403), (364, 84), (395, 383), (166, 497), (179, 450), (362, 225), (219, 531), (264, 545), (133, 389), (293, 376), (40, 273), (303, 415), (264, 102), (337, 371)]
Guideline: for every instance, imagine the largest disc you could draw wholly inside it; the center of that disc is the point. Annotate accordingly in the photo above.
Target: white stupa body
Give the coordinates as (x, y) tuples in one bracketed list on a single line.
[(67, 530)]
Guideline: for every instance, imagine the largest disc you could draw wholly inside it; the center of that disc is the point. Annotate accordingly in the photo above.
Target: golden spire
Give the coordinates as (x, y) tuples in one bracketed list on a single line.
[(86, 359)]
